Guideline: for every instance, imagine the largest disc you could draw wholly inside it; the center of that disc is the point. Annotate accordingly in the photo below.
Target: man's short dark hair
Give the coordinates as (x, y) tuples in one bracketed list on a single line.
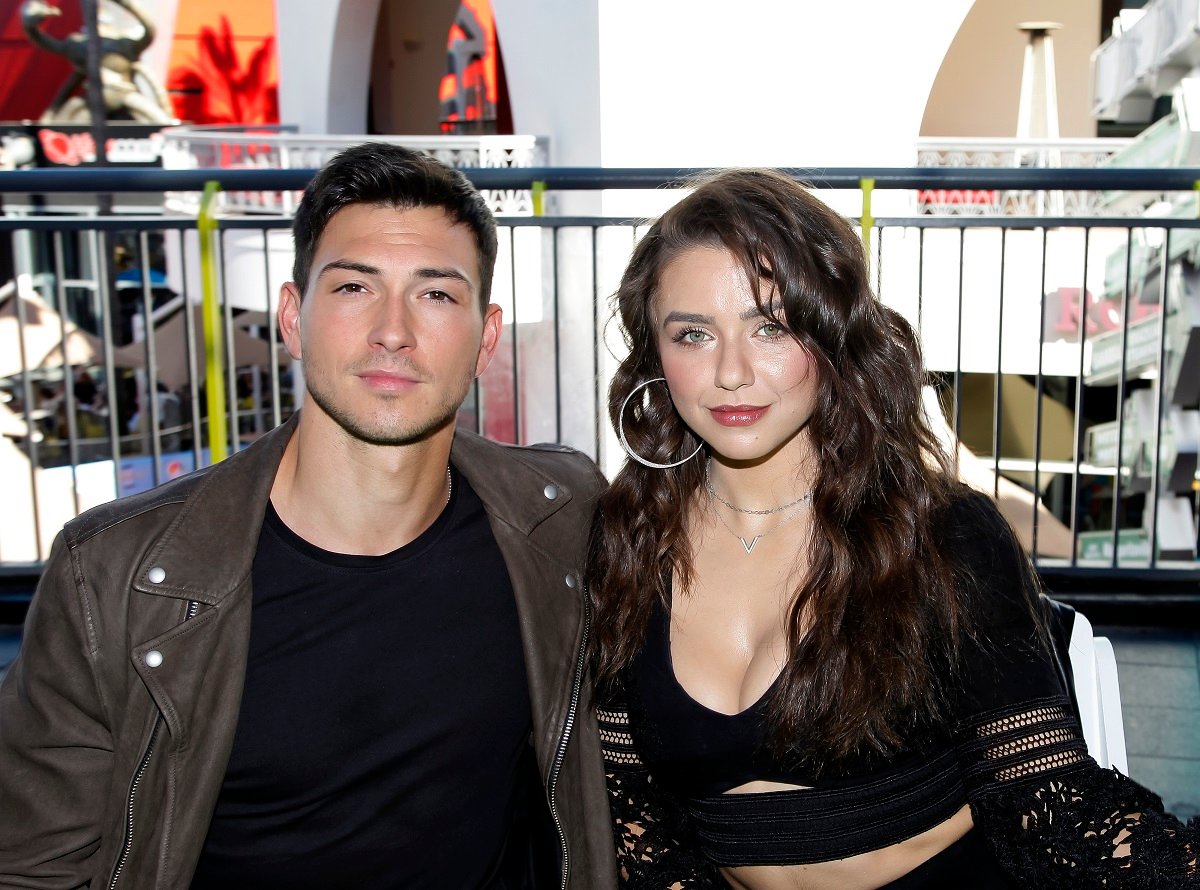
[(388, 175)]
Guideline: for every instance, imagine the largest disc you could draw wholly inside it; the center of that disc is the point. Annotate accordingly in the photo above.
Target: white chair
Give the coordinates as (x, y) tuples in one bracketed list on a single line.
[(1098, 695)]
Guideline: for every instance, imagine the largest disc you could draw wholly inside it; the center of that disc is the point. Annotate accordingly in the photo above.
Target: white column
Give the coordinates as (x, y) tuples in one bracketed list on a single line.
[(1037, 115)]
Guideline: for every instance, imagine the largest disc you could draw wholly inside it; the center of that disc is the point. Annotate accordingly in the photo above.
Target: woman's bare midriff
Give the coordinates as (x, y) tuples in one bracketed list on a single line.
[(865, 871)]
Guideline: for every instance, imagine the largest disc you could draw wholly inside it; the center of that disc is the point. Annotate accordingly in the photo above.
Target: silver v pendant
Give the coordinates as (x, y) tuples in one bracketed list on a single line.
[(749, 545)]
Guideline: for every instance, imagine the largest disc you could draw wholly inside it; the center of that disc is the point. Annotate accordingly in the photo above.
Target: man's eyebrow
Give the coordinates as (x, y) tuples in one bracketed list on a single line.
[(425, 274), (350, 266), (433, 274)]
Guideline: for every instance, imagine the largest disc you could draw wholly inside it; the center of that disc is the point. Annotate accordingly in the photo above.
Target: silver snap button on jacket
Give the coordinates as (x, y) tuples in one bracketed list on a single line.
[(156, 575), (550, 491), (572, 581), (154, 658)]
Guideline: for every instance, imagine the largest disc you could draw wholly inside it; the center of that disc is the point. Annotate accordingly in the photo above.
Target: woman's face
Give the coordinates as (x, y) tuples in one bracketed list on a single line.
[(739, 380)]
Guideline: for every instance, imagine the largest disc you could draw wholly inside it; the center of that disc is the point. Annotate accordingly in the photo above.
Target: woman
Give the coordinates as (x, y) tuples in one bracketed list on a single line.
[(820, 658)]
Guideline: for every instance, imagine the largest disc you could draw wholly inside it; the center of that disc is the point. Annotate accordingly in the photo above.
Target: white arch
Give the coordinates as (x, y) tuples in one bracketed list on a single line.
[(325, 63)]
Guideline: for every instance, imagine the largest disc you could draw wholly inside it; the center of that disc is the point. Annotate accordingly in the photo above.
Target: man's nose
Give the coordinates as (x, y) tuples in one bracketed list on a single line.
[(392, 328)]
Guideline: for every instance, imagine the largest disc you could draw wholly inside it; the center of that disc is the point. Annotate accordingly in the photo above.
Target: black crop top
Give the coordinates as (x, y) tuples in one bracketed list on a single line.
[(693, 750), (1013, 751), (699, 754)]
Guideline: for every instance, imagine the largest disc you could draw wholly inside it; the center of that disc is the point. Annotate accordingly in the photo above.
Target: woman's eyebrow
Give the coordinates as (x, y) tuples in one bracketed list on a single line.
[(696, 318), (688, 317)]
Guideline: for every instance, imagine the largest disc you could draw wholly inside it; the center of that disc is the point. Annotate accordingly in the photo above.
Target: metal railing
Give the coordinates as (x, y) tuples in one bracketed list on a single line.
[(1060, 348)]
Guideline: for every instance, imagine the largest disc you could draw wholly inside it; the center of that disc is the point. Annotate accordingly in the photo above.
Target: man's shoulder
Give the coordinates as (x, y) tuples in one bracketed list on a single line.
[(569, 465), (233, 478), (102, 517)]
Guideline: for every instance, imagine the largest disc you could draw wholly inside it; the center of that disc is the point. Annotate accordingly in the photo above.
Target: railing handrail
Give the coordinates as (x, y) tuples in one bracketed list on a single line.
[(254, 137), (110, 179), (1066, 143)]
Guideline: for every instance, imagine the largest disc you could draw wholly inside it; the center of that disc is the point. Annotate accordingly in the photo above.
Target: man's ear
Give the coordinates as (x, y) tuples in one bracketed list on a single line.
[(493, 318), (289, 318)]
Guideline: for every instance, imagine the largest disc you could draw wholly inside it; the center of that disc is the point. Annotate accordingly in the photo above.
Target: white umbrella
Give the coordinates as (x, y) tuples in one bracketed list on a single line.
[(46, 335), (170, 349)]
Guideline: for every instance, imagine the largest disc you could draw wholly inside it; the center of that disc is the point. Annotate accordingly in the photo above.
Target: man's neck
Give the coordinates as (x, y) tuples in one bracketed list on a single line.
[(347, 496)]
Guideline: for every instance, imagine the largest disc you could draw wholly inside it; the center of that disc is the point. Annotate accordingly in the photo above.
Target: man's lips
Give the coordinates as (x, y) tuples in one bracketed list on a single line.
[(738, 415), (388, 380)]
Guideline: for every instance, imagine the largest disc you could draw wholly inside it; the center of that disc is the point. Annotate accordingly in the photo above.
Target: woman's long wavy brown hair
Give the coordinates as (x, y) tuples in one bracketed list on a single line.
[(877, 607)]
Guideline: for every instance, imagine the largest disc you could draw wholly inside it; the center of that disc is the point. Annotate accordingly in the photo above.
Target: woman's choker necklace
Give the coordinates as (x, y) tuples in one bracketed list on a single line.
[(771, 511)]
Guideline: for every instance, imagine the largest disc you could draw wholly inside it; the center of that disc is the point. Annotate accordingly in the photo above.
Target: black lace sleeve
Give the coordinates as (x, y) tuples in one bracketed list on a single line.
[(650, 829), (1052, 816)]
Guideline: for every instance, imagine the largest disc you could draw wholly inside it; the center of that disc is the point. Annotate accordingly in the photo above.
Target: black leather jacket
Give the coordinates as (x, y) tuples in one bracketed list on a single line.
[(117, 718)]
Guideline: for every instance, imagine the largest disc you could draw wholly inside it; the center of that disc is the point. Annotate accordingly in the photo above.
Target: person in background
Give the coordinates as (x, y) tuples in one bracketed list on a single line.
[(821, 657), (351, 655)]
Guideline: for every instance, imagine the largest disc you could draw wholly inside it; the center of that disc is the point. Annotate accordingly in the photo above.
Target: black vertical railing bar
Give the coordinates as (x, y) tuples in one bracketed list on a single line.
[(476, 386), (272, 333), (597, 340), (231, 391), (31, 430), (1160, 401), (554, 246), (878, 241), (920, 282), (477, 392), (1117, 486), (516, 358), (154, 428), (958, 375), (99, 246), (998, 384), (1080, 392), (60, 290), (1037, 401), (189, 336)]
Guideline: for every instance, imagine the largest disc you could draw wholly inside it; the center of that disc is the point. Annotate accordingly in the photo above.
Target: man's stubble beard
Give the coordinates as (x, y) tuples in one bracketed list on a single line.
[(444, 414)]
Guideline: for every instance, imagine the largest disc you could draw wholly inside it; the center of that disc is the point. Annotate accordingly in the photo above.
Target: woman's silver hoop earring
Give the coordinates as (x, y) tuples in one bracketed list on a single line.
[(625, 443)]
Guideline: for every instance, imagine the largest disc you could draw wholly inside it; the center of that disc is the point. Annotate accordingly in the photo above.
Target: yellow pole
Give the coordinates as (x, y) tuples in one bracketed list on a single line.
[(214, 346), (539, 198), (868, 221)]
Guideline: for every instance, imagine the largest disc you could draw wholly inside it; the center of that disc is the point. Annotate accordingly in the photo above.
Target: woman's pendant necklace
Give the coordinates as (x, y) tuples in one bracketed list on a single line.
[(748, 545)]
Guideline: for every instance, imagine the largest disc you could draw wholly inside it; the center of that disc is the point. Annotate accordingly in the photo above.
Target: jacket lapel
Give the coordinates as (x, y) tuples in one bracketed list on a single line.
[(523, 503), (205, 556)]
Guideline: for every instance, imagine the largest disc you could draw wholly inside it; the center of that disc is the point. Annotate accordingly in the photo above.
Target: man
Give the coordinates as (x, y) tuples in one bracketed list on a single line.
[(352, 654)]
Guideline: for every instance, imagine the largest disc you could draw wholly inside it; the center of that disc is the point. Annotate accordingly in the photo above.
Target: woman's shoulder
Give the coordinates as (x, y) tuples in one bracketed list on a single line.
[(995, 575), (969, 514)]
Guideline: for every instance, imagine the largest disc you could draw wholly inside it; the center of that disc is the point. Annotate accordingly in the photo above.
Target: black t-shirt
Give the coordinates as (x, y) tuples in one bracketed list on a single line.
[(383, 739)]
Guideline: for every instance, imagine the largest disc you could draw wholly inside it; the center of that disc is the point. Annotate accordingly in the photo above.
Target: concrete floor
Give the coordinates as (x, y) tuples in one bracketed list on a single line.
[(1159, 673)]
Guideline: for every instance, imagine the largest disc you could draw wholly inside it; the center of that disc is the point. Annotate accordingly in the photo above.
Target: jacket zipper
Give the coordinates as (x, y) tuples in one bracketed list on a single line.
[(127, 845), (561, 752)]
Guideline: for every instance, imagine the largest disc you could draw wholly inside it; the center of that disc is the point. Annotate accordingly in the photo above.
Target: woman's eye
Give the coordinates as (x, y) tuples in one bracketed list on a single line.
[(691, 335), (772, 329)]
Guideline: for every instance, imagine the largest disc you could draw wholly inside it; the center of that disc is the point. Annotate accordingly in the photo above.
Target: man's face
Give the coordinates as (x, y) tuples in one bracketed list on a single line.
[(390, 330)]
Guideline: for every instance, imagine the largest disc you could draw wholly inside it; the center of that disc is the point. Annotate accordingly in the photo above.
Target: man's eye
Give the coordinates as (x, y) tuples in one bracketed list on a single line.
[(439, 295), (350, 287)]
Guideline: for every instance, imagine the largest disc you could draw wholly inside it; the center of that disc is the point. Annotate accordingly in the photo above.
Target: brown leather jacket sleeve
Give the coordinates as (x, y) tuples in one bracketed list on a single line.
[(55, 746)]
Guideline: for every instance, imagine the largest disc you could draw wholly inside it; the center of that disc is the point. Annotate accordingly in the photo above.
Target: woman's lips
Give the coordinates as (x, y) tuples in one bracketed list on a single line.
[(737, 415)]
